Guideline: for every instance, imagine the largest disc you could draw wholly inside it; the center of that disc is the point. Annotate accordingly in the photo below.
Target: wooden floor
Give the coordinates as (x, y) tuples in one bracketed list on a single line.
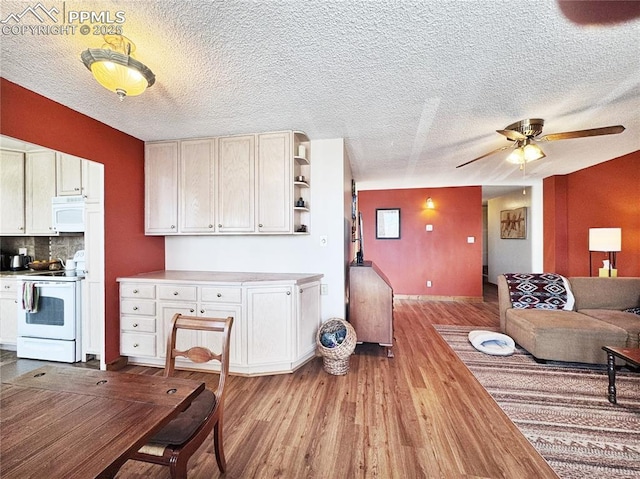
[(418, 415)]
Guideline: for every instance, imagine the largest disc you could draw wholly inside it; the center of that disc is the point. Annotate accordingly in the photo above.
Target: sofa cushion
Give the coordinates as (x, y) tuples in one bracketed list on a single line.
[(539, 291), (606, 293), (563, 335), (628, 321)]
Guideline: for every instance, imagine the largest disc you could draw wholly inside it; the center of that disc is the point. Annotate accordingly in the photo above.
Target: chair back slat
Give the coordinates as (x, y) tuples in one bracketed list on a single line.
[(197, 354), (200, 354)]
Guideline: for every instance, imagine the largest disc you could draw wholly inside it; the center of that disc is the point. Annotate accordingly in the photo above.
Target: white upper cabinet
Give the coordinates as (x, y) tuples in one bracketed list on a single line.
[(237, 176), (12, 171), (92, 181), (69, 175), (161, 187), (40, 187), (197, 186), (274, 182), (235, 185)]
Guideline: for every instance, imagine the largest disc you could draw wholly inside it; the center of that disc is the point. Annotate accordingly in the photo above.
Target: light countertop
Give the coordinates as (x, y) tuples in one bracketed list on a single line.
[(238, 278)]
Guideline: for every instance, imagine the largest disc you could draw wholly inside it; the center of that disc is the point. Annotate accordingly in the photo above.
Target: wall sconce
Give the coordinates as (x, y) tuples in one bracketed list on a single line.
[(430, 204), (606, 240), (114, 67)]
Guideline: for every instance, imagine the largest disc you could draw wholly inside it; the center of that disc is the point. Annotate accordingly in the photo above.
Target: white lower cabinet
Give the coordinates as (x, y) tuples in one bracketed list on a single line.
[(8, 313), (270, 324), (274, 326)]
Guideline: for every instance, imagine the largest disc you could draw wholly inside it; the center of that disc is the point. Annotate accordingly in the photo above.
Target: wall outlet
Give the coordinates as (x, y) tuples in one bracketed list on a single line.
[(428, 284), (324, 289)]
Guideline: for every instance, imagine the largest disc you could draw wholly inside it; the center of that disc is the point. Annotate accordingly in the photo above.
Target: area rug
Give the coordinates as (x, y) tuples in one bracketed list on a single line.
[(562, 408)]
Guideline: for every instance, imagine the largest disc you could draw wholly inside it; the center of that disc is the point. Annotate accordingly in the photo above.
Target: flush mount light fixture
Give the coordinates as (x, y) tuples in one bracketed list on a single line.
[(116, 69), (525, 152)]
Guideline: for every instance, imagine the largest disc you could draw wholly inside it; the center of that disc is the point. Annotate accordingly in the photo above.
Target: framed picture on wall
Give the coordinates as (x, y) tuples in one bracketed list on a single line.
[(387, 223), (513, 223)]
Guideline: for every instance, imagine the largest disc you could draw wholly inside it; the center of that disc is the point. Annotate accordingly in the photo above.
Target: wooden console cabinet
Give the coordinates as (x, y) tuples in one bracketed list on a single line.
[(371, 305)]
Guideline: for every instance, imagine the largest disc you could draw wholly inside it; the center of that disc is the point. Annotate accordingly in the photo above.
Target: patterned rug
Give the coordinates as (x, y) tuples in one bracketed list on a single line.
[(562, 409)]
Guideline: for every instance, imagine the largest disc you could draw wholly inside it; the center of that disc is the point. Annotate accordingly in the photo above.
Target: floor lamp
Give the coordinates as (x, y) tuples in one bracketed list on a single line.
[(606, 240)]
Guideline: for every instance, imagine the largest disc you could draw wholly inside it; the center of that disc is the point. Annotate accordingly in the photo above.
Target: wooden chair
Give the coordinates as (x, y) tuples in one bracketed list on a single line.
[(174, 444)]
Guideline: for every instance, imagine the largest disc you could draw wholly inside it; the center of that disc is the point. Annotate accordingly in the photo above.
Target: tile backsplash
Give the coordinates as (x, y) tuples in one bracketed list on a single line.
[(44, 247)]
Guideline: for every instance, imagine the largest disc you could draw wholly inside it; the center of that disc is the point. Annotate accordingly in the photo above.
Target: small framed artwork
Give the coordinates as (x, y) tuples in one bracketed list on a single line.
[(387, 223), (513, 223)]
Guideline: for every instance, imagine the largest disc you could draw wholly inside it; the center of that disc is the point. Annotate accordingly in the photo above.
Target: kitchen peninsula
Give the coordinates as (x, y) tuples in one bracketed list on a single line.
[(276, 316)]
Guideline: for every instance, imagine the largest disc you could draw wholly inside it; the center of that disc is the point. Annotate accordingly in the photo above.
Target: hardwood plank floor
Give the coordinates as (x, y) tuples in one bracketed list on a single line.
[(418, 415)]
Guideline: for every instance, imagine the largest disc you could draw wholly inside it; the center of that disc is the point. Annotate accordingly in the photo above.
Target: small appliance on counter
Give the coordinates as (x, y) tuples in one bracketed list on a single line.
[(78, 259), (18, 262)]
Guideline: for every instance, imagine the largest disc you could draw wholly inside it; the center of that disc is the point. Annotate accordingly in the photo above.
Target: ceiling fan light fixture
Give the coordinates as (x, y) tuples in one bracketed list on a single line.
[(115, 68), (525, 152)]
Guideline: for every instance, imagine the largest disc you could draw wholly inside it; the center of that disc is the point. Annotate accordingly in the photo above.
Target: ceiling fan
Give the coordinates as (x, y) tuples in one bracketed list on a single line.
[(524, 135)]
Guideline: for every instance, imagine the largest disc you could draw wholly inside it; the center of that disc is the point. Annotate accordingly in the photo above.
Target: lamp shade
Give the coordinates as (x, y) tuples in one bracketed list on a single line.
[(605, 239)]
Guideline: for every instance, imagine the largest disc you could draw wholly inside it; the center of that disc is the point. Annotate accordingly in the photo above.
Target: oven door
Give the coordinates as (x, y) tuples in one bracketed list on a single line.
[(55, 314)]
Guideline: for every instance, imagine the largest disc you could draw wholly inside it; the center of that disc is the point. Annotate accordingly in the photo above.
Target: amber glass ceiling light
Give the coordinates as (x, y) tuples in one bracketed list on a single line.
[(116, 69)]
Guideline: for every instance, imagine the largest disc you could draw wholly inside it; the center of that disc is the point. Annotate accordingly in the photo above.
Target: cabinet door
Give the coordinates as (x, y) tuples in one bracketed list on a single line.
[(212, 340), (12, 220), (92, 181), (275, 182), (93, 292), (161, 188), (308, 318), (236, 184), (8, 317), (69, 175), (269, 325), (197, 190), (40, 187), (185, 339)]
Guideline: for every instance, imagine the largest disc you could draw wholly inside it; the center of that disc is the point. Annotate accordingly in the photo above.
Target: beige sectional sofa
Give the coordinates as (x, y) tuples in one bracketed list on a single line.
[(597, 320)]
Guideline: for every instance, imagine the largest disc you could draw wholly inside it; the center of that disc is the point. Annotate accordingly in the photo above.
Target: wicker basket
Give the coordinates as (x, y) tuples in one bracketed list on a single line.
[(336, 360)]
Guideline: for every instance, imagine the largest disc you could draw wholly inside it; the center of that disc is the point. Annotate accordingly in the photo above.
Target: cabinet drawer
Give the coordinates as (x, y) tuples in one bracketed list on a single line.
[(8, 287), (134, 324), (132, 306), (137, 290), (177, 293), (221, 294), (134, 344)]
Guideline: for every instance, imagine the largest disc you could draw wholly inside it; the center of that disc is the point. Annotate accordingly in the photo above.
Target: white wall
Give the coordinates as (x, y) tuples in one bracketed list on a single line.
[(515, 255), (285, 253)]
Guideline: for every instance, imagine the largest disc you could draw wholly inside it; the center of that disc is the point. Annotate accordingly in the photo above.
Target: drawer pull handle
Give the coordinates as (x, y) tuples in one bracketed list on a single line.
[(135, 291), (175, 293), (288, 293), (191, 310), (202, 311), (219, 295), (210, 226), (135, 325), (135, 345), (135, 308)]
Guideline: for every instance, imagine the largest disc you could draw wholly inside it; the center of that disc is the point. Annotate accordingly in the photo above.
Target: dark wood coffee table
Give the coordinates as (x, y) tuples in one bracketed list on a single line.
[(630, 355)]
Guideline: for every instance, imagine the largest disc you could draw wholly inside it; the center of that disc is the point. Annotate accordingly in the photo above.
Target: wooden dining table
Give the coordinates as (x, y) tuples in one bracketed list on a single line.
[(67, 422)]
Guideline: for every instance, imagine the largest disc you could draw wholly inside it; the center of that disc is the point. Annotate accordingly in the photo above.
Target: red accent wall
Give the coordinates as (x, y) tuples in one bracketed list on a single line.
[(606, 195), (443, 255), (30, 117)]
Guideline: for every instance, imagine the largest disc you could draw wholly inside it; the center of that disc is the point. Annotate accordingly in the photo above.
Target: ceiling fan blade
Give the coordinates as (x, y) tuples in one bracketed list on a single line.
[(512, 135), (485, 155), (568, 135)]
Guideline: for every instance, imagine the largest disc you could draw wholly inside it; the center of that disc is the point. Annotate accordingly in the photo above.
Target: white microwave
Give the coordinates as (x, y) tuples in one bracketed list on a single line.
[(68, 214)]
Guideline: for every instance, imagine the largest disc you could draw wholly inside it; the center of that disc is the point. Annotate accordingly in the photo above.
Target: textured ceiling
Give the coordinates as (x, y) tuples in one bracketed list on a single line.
[(414, 87)]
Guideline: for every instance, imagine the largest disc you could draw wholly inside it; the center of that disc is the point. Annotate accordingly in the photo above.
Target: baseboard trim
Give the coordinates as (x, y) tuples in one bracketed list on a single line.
[(426, 297), (118, 364)]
